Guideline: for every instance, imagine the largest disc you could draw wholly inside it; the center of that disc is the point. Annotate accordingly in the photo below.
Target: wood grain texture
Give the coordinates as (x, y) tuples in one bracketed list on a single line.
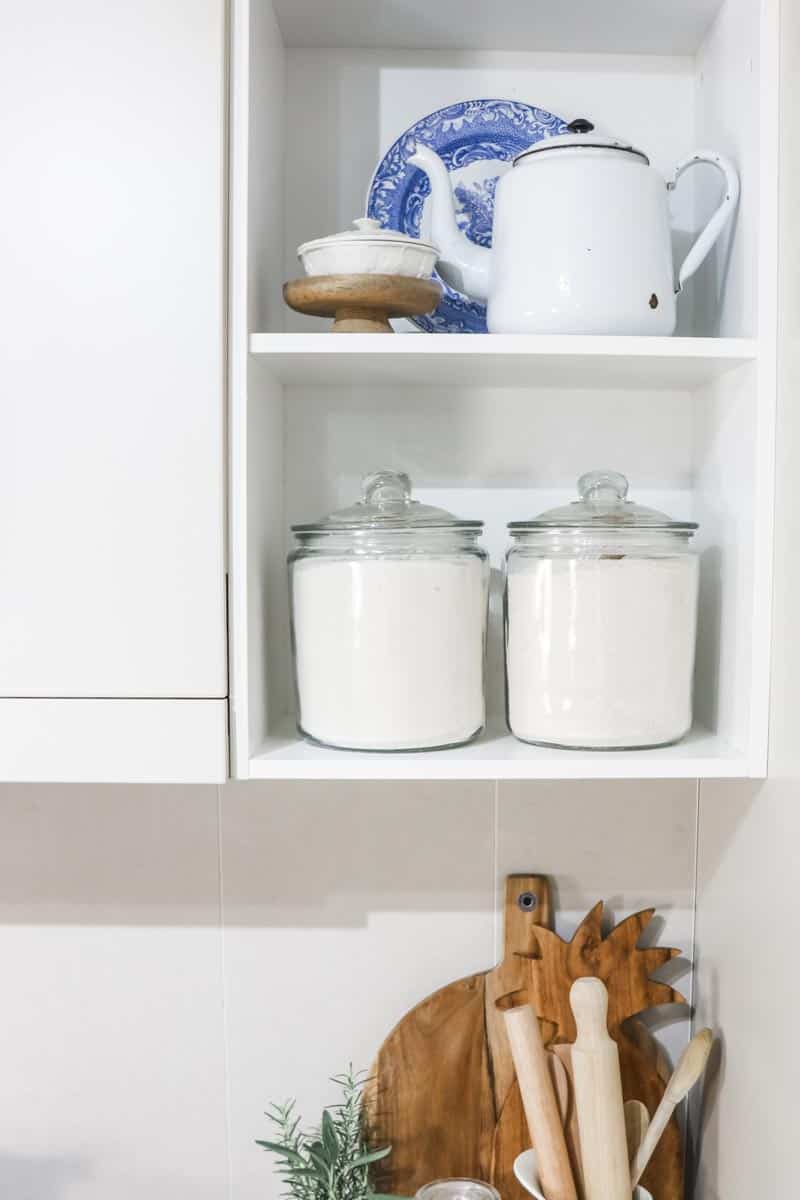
[(443, 1073), (598, 1095), (362, 303), (563, 1054), (688, 1070), (540, 1103), (449, 1055), (511, 1130), (625, 969), (637, 1121)]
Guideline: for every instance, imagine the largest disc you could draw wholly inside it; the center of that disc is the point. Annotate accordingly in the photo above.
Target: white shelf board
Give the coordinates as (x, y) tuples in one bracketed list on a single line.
[(497, 755), (615, 26), (499, 360)]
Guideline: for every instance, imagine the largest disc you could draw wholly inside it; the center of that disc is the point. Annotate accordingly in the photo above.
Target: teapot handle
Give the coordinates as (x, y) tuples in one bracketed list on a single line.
[(720, 218)]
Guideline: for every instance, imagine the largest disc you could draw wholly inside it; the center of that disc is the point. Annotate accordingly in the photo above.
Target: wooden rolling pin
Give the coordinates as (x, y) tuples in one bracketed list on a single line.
[(691, 1065), (598, 1096), (539, 1102)]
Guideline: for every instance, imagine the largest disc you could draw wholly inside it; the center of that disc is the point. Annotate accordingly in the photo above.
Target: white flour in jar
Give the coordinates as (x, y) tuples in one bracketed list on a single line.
[(600, 651), (390, 652)]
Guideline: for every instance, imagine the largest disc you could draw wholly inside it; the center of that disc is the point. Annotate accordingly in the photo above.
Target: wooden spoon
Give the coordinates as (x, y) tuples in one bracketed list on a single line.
[(637, 1120), (691, 1065)]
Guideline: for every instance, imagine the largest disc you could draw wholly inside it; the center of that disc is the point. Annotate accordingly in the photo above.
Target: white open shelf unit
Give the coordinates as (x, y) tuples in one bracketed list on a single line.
[(500, 427)]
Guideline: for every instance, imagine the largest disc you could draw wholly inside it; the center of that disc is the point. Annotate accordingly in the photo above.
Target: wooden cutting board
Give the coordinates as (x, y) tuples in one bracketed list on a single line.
[(443, 1091), (441, 1077)]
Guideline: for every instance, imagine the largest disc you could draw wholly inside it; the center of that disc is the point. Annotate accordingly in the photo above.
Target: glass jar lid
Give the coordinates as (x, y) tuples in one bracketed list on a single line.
[(603, 505), (386, 504)]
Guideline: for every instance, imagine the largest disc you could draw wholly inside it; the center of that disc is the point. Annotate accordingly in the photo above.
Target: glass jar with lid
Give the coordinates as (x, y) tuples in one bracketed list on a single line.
[(600, 622), (389, 604)]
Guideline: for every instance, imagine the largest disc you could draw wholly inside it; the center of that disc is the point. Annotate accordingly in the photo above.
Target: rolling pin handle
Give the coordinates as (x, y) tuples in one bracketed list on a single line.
[(589, 1000)]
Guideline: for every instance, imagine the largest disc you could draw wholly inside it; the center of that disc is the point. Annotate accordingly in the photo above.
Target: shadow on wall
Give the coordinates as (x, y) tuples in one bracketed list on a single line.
[(39, 1178), (332, 854)]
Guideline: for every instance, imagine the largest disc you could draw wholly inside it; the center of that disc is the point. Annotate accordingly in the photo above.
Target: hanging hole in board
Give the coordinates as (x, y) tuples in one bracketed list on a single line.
[(527, 901)]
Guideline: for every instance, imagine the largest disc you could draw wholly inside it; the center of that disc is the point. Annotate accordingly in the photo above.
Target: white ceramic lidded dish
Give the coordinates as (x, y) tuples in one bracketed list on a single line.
[(600, 623), (368, 249), (389, 602)]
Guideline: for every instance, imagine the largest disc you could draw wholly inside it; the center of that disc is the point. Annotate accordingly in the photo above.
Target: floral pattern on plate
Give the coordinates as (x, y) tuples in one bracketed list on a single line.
[(477, 140)]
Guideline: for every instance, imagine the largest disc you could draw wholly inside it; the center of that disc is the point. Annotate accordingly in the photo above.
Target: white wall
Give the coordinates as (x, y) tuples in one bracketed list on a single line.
[(175, 958)]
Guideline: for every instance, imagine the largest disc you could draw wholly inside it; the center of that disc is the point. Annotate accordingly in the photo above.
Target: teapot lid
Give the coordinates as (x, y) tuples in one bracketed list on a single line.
[(603, 505), (581, 135), (366, 229), (386, 504)]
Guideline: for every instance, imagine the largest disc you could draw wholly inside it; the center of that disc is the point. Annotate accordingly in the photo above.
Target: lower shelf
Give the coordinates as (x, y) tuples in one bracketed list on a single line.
[(497, 755)]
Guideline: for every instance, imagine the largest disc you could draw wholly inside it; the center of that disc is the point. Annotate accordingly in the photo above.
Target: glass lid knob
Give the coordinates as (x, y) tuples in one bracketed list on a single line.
[(386, 488), (603, 488)]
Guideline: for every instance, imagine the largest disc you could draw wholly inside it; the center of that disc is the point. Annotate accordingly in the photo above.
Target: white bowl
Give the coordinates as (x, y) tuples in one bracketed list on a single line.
[(527, 1172), (368, 250)]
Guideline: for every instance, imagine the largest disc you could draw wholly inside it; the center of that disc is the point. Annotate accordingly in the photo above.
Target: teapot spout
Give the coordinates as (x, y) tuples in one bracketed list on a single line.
[(462, 264)]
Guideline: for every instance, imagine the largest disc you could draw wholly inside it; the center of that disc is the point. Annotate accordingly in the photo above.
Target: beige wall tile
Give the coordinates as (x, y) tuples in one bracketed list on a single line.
[(629, 843), (344, 905), (111, 1041)]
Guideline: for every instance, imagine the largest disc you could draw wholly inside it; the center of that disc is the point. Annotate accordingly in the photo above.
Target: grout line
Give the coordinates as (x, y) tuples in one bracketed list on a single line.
[(224, 973), (695, 890), (496, 890), (690, 1147)]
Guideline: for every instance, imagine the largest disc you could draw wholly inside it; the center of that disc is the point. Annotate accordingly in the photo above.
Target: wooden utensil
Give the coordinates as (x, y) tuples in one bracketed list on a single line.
[(598, 1096), (563, 1056), (561, 1084), (625, 969), (637, 1120), (362, 303), (450, 1055), (511, 1131), (691, 1065), (539, 1102)]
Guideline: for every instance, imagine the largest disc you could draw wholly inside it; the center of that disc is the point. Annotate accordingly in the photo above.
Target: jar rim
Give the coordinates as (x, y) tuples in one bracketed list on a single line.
[(681, 528)]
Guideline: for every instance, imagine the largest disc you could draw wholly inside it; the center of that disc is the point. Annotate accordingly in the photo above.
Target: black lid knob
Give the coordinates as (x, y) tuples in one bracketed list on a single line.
[(580, 125)]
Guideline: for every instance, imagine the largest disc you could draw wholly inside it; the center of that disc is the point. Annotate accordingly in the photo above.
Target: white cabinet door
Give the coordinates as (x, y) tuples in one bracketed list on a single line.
[(112, 242)]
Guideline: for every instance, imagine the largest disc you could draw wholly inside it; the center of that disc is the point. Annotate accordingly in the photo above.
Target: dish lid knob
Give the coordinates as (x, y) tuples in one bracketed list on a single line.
[(366, 224), (580, 125)]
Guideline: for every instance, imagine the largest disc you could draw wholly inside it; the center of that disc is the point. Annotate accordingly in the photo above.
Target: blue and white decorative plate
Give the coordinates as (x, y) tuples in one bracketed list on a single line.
[(477, 140)]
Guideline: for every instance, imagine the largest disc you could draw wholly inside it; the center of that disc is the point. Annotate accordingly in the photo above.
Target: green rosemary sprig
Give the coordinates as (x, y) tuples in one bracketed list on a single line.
[(332, 1162)]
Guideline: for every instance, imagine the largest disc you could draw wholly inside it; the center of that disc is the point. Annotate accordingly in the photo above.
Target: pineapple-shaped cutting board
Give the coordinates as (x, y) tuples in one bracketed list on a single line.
[(443, 1091)]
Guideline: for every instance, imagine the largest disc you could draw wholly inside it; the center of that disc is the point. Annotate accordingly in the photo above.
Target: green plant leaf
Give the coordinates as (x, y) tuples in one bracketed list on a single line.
[(322, 1165), (283, 1151), (329, 1138), (369, 1156)]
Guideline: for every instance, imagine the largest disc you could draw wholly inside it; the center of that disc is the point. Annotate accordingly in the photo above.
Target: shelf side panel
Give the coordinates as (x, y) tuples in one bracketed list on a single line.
[(255, 400)]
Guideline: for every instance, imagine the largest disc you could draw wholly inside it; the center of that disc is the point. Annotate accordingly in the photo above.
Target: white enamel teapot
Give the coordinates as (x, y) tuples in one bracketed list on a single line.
[(581, 237)]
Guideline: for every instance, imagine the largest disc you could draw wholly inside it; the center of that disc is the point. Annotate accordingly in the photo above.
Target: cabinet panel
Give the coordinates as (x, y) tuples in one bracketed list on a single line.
[(113, 741), (111, 406)]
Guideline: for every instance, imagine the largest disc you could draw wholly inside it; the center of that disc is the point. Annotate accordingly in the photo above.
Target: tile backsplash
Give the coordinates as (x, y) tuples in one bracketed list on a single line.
[(176, 958)]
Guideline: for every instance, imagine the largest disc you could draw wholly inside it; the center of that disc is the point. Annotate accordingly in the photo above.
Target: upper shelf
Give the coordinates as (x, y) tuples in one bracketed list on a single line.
[(613, 26), (500, 360)]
